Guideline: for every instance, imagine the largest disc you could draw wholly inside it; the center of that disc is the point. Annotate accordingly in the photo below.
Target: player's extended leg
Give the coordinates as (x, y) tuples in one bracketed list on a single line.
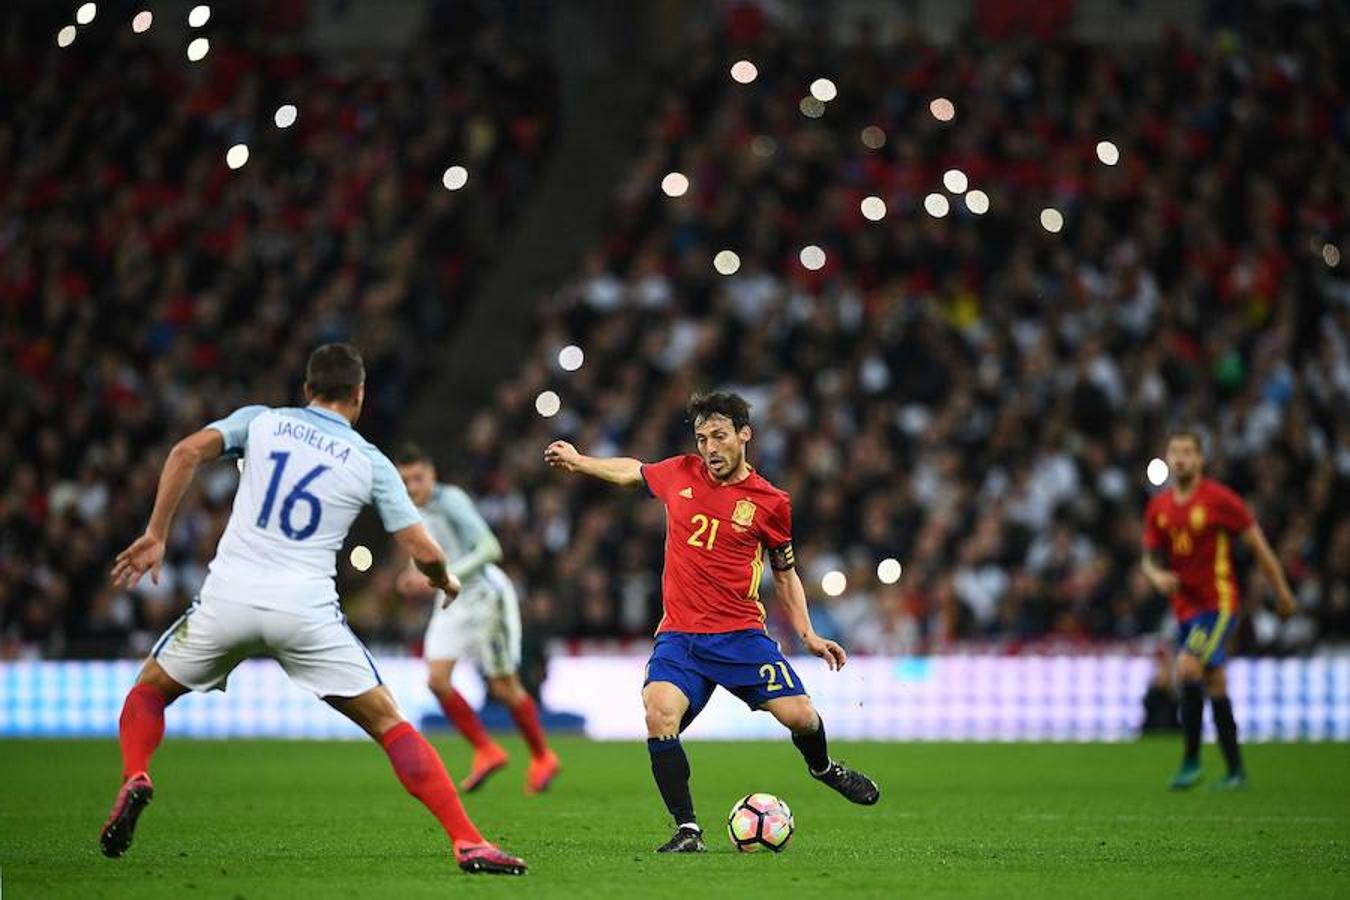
[(1191, 674), (488, 756), (665, 706), (139, 731), (544, 766), (799, 715), (422, 773), (1216, 685)]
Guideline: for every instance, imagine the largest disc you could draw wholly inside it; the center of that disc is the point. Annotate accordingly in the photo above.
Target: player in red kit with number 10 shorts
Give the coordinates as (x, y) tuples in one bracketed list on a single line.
[(1188, 555), (722, 519)]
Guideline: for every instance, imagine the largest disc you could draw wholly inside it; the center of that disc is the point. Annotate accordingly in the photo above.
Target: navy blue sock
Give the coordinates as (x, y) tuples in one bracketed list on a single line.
[(670, 768), (1192, 713), (814, 748), (1226, 725)]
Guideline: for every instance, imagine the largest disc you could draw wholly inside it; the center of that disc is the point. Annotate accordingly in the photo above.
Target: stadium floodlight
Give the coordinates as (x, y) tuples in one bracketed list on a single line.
[(199, 16), (455, 178), (744, 71), (140, 23), (675, 184), (873, 208), (570, 358), (1156, 472), (197, 50), (955, 181), (85, 14), (286, 114), (977, 201), (727, 262), (812, 257), (1108, 153), (1052, 220), (66, 36), (936, 205)]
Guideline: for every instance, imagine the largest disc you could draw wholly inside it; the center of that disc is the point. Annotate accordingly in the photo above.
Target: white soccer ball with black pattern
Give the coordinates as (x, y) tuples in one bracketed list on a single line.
[(760, 822)]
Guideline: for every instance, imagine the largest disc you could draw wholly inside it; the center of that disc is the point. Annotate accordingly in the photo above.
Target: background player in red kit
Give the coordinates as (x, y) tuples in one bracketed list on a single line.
[(1188, 555), (721, 517)]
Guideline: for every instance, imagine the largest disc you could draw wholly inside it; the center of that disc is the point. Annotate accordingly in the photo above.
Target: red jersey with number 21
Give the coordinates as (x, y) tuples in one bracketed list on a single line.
[(716, 535), (1197, 536)]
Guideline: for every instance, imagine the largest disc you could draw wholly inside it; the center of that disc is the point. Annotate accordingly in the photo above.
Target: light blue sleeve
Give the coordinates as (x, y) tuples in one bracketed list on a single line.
[(473, 532), (389, 495), (234, 427)]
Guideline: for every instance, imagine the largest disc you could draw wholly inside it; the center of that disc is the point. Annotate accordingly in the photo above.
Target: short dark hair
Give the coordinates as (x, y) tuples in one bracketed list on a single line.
[(1189, 432), (412, 453), (335, 371), (719, 403)]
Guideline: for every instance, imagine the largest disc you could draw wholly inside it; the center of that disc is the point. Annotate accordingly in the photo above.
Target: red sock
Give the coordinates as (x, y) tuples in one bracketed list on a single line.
[(422, 773), (458, 710), (141, 728), (526, 715)]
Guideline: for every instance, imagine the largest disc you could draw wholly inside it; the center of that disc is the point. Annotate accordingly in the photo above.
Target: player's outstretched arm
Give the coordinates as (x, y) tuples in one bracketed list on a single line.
[(1255, 539), (146, 553), (1164, 580), (429, 558), (787, 586), (621, 470)]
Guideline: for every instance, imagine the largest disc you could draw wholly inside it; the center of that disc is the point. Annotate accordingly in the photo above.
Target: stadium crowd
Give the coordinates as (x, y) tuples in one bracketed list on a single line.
[(145, 288), (972, 395)]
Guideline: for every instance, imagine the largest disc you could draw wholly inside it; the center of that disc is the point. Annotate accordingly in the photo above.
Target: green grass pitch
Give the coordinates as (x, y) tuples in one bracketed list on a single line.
[(260, 819)]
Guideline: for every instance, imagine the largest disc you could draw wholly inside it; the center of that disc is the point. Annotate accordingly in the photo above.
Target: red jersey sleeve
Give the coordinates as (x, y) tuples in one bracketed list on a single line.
[(1154, 536), (777, 528), (1233, 514), (661, 475)]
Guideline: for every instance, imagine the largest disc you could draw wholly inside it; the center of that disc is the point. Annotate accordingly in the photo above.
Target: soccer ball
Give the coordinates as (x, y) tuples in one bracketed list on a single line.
[(760, 821)]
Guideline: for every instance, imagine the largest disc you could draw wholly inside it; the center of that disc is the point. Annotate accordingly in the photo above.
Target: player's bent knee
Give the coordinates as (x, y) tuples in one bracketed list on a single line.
[(153, 674), (798, 715)]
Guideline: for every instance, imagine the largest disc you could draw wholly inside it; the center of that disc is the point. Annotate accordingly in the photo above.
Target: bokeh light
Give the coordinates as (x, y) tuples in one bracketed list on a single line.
[(1052, 220), (66, 36), (455, 178), (1156, 472), (197, 50), (141, 22), (834, 583), (744, 71), (1331, 255), (823, 89), (547, 404), (570, 358), (955, 181), (1108, 152), (726, 262), (937, 205), (85, 14), (873, 137), (236, 156), (361, 558), (199, 16), (811, 107), (977, 201), (285, 115), (889, 570), (674, 184), (942, 109), (873, 208), (812, 257)]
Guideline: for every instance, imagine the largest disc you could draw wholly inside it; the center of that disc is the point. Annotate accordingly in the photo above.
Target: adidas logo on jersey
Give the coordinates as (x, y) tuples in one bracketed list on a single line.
[(687, 493)]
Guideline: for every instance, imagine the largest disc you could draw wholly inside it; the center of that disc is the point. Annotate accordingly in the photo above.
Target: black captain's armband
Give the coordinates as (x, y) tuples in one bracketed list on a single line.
[(782, 557)]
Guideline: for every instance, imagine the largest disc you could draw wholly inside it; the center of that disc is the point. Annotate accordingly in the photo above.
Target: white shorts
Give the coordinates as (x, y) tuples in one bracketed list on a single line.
[(482, 626), (315, 646)]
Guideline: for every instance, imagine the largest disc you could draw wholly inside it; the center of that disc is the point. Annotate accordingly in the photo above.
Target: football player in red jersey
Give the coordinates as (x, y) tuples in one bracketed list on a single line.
[(721, 518), (1188, 532)]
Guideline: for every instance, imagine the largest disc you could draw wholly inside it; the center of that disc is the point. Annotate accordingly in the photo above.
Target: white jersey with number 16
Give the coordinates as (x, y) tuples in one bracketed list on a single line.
[(306, 475)]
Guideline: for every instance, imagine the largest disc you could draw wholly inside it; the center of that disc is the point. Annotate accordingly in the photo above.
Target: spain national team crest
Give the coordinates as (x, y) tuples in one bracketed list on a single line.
[(1198, 518), (744, 513)]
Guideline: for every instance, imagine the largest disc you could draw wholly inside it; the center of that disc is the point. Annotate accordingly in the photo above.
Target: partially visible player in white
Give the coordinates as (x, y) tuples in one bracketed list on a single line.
[(482, 626), (270, 590)]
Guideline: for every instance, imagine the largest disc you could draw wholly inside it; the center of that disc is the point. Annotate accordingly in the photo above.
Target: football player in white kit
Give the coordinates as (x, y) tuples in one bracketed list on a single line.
[(270, 589), (482, 625)]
